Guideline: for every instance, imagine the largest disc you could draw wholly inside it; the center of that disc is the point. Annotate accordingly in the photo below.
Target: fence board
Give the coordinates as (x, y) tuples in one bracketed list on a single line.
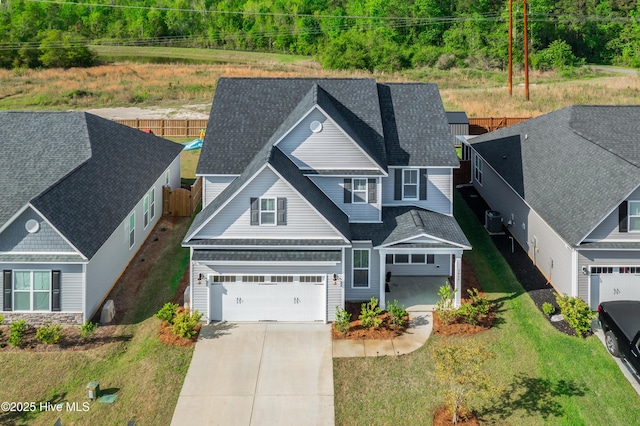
[(196, 194), (463, 174), (168, 127), (481, 125), (180, 202)]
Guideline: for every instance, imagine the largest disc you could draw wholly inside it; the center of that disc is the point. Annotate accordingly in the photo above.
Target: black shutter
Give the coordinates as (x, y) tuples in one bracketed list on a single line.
[(55, 291), (423, 184), (622, 217), (397, 185), (282, 211), (347, 191), (7, 287), (373, 191), (255, 211)]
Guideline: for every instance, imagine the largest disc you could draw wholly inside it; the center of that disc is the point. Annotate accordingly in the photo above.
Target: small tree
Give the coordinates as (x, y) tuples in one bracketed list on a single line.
[(342, 320), (445, 306), (397, 313), (458, 367), (577, 313)]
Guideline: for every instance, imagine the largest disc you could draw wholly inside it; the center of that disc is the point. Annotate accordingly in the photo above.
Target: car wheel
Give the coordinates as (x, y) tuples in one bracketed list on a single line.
[(612, 343)]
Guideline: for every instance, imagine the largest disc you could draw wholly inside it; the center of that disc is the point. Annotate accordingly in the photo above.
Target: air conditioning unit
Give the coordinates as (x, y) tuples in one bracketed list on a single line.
[(493, 222)]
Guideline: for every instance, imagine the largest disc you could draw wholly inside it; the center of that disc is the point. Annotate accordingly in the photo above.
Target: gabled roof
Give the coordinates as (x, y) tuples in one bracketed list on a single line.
[(395, 124), (400, 224), (457, 117), (81, 172), (573, 166)]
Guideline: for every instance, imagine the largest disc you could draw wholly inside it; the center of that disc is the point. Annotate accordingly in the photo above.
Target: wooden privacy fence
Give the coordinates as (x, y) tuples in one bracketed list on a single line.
[(463, 174), (479, 126), (173, 127), (181, 201)]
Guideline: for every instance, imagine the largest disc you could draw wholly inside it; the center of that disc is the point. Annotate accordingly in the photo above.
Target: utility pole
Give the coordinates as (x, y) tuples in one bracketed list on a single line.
[(526, 54), (510, 47)]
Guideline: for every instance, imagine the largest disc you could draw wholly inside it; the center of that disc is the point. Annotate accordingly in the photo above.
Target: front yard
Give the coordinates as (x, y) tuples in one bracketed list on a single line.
[(145, 374), (546, 377)]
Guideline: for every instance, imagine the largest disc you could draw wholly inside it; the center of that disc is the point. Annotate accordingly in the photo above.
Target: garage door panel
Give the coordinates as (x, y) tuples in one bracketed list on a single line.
[(614, 286)]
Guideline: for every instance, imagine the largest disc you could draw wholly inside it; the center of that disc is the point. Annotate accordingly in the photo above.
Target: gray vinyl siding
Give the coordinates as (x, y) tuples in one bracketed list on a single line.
[(608, 228), (328, 149), (199, 292), (439, 191), (552, 255), (16, 238), (361, 294), (214, 185), (333, 187), (112, 258), (459, 129), (233, 221), (335, 299), (441, 266), (70, 282), (588, 258), (174, 177)]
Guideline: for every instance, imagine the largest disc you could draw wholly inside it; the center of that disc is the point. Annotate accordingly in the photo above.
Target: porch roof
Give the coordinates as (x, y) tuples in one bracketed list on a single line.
[(44, 258), (268, 255), (422, 246), (248, 242)]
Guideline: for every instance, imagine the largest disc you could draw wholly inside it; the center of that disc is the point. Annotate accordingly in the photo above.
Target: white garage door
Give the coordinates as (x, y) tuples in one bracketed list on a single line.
[(615, 285), (265, 298)]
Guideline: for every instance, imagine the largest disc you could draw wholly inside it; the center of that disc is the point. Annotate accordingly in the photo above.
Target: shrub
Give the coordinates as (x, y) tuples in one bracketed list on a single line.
[(1, 321), (370, 314), (548, 309), (87, 329), (342, 320), (397, 313), (444, 307), (480, 302), (185, 322), (576, 312), (49, 333), (469, 313), (167, 312), (16, 333)]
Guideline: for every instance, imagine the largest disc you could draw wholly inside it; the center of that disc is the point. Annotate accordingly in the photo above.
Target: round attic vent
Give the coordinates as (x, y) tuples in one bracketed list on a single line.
[(315, 126), (32, 226)]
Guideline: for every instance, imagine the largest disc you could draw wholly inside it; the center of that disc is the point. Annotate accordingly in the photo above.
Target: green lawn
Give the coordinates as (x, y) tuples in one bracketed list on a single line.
[(546, 376), (145, 374)]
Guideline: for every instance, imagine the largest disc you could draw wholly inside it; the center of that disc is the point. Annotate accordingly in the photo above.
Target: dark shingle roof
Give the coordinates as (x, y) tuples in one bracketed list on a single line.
[(248, 242), (268, 255), (457, 117), (401, 223), (572, 166), (109, 167)]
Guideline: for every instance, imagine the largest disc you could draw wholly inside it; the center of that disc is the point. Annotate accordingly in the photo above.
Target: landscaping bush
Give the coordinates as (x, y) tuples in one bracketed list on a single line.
[(185, 322), (548, 309), (1, 321), (445, 306), (370, 314), (342, 320), (476, 307), (49, 334), (87, 329), (16, 333), (398, 313), (167, 312), (576, 312)]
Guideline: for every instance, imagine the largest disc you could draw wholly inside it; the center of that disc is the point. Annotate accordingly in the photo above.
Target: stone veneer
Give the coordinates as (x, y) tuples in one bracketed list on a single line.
[(38, 319)]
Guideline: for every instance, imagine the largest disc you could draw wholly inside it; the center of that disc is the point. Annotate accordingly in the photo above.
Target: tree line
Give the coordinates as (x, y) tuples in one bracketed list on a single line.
[(382, 35)]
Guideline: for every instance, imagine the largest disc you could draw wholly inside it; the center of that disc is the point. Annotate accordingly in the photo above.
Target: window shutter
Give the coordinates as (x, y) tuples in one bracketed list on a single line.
[(397, 185), (7, 287), (622, 217), (373, 191), (347, 191), (423, 184), (255, 211), (55, 291), (282, 211)]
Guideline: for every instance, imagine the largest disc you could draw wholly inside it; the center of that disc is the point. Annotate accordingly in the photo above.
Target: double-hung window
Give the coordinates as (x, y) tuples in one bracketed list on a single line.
[(634, 216), (267, 211), (360, 268), (410, 184), (132, 229), (32, 290), (359, 191), (152, 203), (145, 211), (477, 168)]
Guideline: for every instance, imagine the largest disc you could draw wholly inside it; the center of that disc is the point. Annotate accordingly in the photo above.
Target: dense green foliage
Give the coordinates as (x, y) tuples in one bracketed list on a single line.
[(368, 34)]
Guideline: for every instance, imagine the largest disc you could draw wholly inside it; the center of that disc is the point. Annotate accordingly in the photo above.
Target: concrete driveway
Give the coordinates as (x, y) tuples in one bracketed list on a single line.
[(259, 374)]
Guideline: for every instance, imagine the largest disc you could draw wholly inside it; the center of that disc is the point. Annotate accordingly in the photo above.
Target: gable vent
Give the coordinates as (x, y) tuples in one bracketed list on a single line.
[(32, 226), (316, 126)]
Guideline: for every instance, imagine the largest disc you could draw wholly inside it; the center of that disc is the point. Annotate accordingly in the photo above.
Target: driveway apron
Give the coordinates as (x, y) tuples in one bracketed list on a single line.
[(259, 374)]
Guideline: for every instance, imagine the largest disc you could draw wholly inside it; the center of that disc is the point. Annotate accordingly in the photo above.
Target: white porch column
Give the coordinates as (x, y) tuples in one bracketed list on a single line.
[(383, 268), (458, 280)]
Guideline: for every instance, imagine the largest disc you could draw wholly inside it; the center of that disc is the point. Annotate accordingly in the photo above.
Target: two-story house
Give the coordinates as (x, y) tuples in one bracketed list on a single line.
[(314, 190), (567, 185)]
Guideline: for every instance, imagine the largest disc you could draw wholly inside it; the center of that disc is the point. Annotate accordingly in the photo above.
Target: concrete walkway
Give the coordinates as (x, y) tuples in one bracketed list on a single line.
[(419, 330), (597, 330), (259, 374)]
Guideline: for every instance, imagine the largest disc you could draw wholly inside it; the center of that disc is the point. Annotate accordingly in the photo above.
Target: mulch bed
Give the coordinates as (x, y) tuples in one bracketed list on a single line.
[(531, 279), (166, 336), (356, 331), (70, 341), (442, 417)]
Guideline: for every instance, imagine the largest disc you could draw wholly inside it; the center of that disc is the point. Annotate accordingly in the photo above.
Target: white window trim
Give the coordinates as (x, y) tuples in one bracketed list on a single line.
[(129, 230), (354, 200), (353, 268), (629, 216), (275, 211), (31, 291), (145, 212), (410, 260), (478, 169), (167, 177), (417, 184), (152, 203)]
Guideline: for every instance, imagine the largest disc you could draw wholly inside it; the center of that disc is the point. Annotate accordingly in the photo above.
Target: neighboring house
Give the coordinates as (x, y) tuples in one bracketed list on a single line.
[(567, 187), (313, 190), (458, 124), (80, 195)]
